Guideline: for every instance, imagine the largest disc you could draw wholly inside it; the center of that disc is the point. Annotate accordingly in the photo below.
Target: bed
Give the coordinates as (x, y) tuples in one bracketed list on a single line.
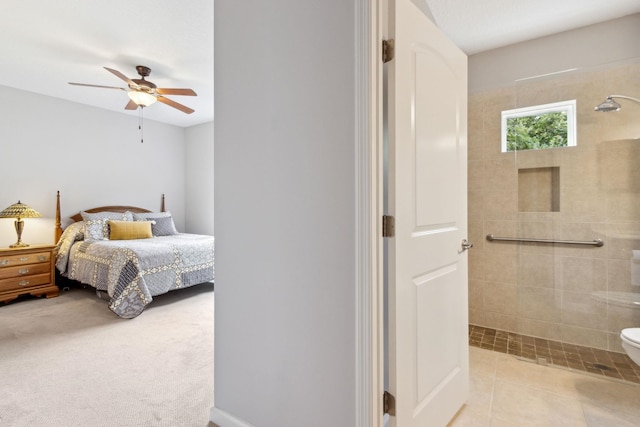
[(131, 254)]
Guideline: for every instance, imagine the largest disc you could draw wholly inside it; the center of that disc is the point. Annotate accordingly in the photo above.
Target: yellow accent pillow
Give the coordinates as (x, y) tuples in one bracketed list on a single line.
[(128, 230)]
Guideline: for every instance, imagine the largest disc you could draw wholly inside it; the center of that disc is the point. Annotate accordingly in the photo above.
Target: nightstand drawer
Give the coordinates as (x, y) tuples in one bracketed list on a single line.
[(24, 282), (24, 270), (22, 259)]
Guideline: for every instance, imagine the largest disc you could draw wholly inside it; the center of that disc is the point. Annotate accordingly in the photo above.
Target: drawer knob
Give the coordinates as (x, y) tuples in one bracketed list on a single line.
[(24, 258), (23, 271), (23, 283), (41, 258), (4, 261)]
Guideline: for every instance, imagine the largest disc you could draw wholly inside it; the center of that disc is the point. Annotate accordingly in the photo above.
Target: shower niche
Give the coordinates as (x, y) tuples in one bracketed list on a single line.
[(539, 189)]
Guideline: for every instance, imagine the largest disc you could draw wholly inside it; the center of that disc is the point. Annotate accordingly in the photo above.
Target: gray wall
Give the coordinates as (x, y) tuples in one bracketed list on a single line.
[(199, 179), (285, 209), (95, 158)]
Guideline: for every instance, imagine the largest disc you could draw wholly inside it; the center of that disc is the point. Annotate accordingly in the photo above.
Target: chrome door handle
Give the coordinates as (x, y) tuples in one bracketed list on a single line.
[(466, 245)]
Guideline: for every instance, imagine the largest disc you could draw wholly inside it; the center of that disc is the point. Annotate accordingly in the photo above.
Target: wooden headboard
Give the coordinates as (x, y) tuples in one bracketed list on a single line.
[(78, 217)]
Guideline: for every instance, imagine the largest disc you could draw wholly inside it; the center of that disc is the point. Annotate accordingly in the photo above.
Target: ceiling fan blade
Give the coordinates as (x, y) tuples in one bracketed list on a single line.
[(105, 87), (119, 75), (165, 91), (131, 105), (176, 105)]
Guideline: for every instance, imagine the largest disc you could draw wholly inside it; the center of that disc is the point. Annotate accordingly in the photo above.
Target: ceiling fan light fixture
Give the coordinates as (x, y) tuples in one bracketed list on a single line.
[(143, 99)]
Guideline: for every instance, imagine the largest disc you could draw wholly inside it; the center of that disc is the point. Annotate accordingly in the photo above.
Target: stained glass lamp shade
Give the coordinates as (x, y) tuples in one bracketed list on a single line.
[(19, 210)]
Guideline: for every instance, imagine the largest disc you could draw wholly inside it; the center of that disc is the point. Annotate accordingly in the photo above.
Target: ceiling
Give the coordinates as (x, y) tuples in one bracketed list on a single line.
[(479, 25), (45, 44)]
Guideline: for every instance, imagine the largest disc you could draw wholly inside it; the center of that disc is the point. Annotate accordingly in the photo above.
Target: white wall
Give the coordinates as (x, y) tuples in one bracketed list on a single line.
[(584, 48), (93, 156), (285, 209), (199, 179)]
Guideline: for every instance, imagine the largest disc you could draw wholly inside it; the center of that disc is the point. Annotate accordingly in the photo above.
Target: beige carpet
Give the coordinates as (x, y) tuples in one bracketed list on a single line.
[(69, 361)]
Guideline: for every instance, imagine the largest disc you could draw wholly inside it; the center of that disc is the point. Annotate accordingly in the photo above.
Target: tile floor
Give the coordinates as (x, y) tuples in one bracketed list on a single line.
[(592, 360), (509, 391)]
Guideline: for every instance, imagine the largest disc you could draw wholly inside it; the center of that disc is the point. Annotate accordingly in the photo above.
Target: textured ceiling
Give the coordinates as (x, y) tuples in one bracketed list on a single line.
[(45, 44), (480, 25)]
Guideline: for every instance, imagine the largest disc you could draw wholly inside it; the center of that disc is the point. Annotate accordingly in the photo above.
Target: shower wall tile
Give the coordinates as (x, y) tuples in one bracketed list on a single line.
[(614, 343), (500, 205), (500, 298), (540, 304), (476, 264), (474, 130), (585, 90), (582, 232), (477, 317), (546, 218), (476, 294), (475, 175), (491, 148), (501, 321), (584, 336), (474, 145), (500, 266), (536, 229), (591, 132), (618, 170), (619, 276), (475, 234), (623, 207), (584, 274), (575, 162), (536, 270), (475, 205), (500, 229), (582, 310), (620, 317), (537, 92), (538, 328), (583, 205), (539, 158), (499, 174), (622, 239)]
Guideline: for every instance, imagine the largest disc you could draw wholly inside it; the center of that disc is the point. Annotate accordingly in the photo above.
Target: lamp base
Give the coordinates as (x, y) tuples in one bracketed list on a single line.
[(19, 224), (19, 245)]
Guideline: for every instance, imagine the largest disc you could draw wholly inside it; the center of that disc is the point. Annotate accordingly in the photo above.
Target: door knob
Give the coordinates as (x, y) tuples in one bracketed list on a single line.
[(466, 245)]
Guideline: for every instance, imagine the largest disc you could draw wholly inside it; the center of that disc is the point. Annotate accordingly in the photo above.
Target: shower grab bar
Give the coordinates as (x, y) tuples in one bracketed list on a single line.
[(594, 242)]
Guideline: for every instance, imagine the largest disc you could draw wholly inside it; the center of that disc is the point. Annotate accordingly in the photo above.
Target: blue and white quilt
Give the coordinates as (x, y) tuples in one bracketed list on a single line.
[(133, 271)]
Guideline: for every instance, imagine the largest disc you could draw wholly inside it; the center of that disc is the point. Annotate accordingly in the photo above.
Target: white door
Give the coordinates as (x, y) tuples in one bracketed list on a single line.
[(427, 193)]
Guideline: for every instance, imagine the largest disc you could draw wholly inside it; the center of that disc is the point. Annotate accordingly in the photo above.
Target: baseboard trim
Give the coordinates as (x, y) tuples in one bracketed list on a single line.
[(223, 419)]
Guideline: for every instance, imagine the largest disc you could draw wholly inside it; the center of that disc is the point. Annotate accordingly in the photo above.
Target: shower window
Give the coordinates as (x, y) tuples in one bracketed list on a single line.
[(540, 126)]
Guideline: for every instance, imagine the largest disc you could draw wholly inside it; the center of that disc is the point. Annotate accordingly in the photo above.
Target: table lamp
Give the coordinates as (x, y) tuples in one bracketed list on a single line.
[(19, 211)]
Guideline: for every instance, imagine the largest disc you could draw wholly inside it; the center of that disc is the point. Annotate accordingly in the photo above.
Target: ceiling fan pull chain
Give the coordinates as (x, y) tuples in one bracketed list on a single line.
[(141, 125)]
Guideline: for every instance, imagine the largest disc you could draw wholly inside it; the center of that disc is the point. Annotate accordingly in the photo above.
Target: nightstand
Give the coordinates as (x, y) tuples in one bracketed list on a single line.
[(27, 270)]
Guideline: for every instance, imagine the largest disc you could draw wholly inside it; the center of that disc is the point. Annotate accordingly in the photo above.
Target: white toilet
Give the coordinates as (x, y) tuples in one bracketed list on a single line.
[(631, 343)]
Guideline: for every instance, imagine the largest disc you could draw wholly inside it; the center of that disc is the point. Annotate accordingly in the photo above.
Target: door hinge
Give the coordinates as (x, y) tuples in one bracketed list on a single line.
[(388, 50), (388, 403), (388, 226)]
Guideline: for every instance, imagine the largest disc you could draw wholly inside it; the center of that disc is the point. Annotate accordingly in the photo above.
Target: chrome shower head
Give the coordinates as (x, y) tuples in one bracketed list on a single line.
[(610, 105)]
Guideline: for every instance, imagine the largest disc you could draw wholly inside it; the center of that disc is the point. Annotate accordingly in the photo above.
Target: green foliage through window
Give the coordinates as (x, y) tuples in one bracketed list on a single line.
[(536, 132), (538, 127)]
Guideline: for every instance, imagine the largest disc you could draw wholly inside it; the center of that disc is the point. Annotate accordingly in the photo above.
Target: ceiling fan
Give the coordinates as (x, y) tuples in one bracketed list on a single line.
[(144, 93)]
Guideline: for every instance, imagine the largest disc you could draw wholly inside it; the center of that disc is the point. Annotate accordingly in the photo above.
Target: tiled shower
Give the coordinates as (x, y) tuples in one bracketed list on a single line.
[(574, 294)]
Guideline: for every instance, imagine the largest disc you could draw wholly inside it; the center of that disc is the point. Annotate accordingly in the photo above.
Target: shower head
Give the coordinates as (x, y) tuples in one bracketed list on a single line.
[(610, 105)]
